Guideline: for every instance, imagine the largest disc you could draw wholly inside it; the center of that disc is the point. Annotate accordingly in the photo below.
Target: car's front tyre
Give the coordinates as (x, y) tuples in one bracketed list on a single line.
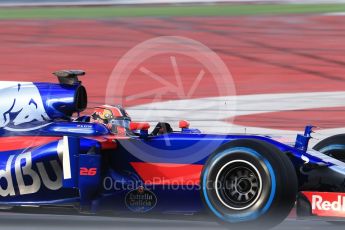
[(249, 183)]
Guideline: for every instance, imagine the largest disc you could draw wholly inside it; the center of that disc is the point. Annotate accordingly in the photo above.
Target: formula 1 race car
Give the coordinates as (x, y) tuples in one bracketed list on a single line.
[(107, 163)]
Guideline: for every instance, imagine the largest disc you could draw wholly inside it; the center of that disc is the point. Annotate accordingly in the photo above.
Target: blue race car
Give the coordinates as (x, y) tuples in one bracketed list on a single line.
[(107, 163)]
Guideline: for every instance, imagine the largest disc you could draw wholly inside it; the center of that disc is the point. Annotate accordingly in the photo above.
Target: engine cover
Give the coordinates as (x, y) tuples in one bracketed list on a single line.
[(27, 103)]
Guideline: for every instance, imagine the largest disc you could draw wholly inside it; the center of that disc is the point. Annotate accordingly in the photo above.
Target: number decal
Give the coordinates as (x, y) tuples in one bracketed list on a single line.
[(88, 171)]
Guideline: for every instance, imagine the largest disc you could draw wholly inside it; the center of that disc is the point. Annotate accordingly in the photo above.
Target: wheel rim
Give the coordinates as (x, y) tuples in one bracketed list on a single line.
[(238, 185)]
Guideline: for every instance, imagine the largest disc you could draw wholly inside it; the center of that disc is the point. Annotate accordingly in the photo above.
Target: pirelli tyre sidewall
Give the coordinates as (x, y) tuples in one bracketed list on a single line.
[(248, 166)]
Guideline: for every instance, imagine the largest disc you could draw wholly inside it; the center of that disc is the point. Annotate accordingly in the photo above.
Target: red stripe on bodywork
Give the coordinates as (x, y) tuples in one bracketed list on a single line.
[(168, 174), (21, 142)]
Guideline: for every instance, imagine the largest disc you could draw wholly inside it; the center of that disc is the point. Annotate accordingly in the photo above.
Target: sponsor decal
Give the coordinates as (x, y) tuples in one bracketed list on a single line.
[(23, 104), (84, 126), (140, 200), (29, 181), (327, 204)]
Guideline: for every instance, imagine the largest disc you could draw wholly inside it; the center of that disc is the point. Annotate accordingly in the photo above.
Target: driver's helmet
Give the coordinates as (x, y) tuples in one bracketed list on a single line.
[(115, 118)]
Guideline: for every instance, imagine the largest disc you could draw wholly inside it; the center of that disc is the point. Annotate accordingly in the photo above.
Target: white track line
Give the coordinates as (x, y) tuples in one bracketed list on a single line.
[(335, 14)]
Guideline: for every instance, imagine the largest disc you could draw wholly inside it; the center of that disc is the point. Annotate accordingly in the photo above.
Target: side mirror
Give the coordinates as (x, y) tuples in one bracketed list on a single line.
[(183, 124), (142, 128)]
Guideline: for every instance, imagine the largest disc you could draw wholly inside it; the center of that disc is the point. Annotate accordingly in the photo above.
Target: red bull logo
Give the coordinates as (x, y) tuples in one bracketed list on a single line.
[(327, 204), (23, 168)]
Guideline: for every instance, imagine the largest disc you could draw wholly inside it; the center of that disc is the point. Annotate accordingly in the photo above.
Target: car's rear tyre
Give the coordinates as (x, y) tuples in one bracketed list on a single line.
[(249, 183)]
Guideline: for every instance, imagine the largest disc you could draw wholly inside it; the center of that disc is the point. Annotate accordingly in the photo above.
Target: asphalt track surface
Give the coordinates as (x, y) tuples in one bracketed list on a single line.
[(266, 55), (48, 221)]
